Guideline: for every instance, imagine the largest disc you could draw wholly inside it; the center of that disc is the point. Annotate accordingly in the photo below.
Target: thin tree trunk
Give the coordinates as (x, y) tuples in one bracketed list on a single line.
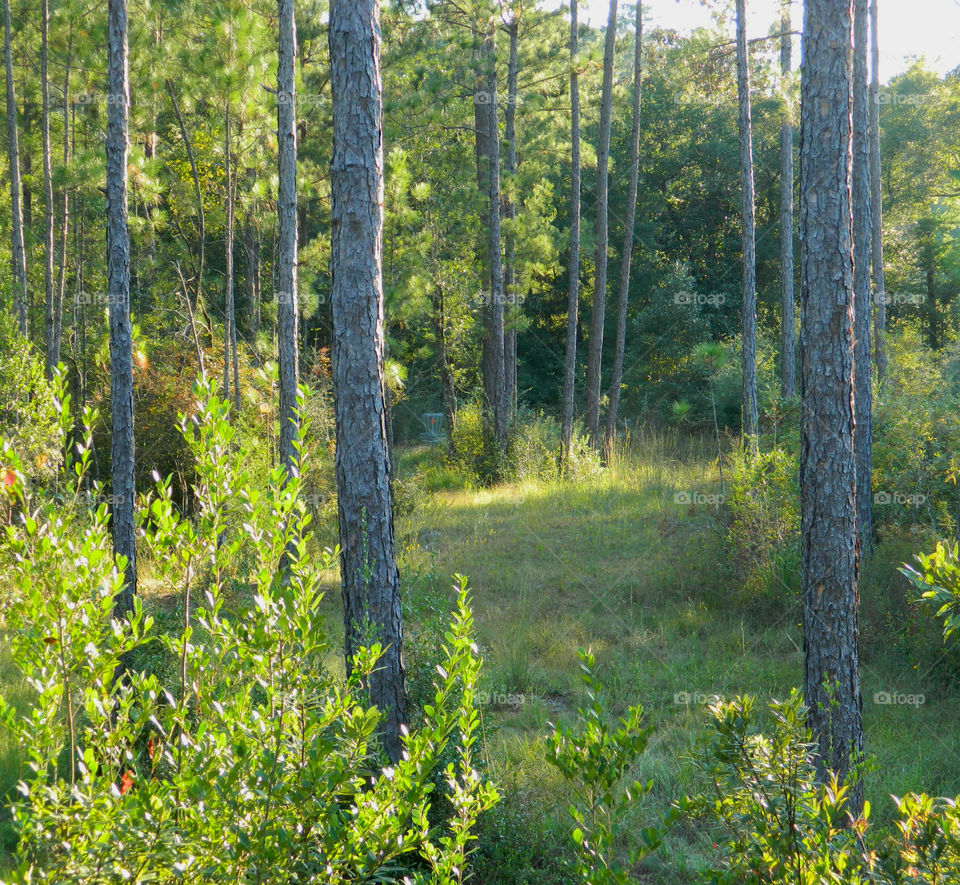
[(64, 212), (863, 395), (597, 315), (447, 387), (573, 292), (18, 254), (788, 362), (876, 204), (118, 289), (488, 180), (48, 298), (371, 583), (286, 291), (626, 256), (827, 470), (511, 307), (230, 306), (748, 236), (195, 175)]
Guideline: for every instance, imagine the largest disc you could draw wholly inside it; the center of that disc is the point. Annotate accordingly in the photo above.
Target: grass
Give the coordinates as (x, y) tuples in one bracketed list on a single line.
[(614, 563)]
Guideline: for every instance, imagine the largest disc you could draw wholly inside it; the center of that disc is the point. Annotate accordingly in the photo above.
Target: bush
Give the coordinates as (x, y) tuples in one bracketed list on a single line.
[(253, 764)]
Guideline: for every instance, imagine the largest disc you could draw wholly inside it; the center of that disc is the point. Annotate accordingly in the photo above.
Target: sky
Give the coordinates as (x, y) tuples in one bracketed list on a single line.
[(908, 28)]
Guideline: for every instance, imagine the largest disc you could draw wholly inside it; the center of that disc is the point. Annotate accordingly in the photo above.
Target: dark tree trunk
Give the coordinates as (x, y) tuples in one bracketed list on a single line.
[(876, 205), (371, 583), (287, 337), (18, 254), (488, 180), (573, 294), (748, 236), (627, 253), (788, 362), (50, 326), (448, 389), (827, 468), (118, 292), (511, 306), (863, 395), (230, 307), (598, 312)]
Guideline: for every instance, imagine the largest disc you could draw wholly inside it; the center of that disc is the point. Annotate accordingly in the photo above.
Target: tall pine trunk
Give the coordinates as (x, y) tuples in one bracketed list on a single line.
[(599, 308), (18, 254), (286, 262), (829, 561), (370, 581), (627, 253), (573, 293), (876, 204), (118, 292), (488, 180), (748, 235), (863, 395), (788, 362), (64, 212), (50, 325), (511, 299)]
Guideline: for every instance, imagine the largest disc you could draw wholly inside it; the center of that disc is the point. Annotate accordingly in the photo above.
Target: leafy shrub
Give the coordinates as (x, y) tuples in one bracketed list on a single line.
[(473, 451), (253, 764)]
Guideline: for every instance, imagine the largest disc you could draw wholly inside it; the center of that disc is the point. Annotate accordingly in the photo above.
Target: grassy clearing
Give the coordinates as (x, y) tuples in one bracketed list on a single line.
[(651, 585)]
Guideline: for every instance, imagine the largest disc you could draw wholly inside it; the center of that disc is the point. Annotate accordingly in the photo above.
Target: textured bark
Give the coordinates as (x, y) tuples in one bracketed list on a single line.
[(64, 213), (747, 232), (827, 472), (50, 324), (627, 252), (287, 334), (863, 395), (18, 254), (598, 312), (488, 180), (788, 362), (230, 307), (370, 581), (118, 299), (573, 293), (876, 204), (511, 305)]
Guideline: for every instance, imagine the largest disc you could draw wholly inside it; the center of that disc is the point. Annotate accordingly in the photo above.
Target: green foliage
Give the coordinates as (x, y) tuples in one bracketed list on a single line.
[(596, 758), (937, 582), (252, 763)]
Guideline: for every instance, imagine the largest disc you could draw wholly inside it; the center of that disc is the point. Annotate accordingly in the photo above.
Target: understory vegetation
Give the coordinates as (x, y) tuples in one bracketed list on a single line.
[(216, 737)]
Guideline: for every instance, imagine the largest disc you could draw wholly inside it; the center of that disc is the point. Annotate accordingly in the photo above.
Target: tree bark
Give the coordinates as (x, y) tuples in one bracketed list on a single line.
[(370, 581), (863, 395), (827, 470), (511, 306), (627, 253), (573, 292), (876, 204), (748, 234), (287, 333), (230, 307), (18, 254), (64, 211), (118, 298), (788, 362), (488, 180), (48, 293), (597, 315)]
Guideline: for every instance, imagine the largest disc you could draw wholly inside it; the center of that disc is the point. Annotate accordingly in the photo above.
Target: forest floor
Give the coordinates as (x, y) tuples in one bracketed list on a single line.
[(654, 589)]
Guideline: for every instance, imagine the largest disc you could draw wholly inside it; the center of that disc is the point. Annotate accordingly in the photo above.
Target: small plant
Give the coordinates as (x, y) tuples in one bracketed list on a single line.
[(937, 582), (596, 758)]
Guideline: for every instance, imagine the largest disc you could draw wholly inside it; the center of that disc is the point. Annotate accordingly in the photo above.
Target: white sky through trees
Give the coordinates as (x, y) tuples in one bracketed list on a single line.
[(908, 28)]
